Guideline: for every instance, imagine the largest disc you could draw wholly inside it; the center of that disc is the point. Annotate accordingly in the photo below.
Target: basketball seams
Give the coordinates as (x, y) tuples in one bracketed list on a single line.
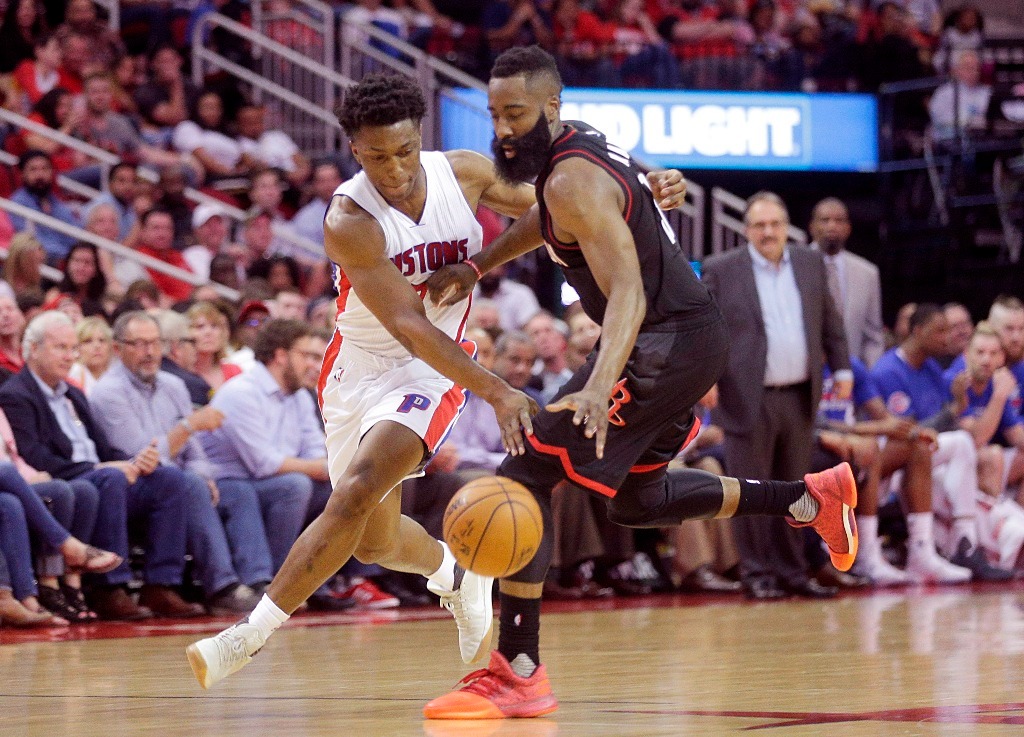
[(447, 525), (482, 538)]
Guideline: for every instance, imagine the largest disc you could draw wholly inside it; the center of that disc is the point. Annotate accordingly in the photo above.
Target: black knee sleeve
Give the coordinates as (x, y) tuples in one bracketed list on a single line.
[(666, 499)]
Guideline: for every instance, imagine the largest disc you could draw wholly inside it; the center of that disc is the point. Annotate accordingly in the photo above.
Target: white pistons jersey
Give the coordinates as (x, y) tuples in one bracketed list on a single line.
[(447, 233)]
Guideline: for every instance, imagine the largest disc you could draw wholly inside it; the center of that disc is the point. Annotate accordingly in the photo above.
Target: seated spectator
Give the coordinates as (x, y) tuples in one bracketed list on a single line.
[(37, 76), (95, 352), (266, 195), (210, 231), (963, 30), (204, 136), (508, 23), (516, 302), (910, 381), (12, 322), (81, 18), (287, 470), (55, 110), (104, 128), (582, 42), (119, 270), (76, 52), (289, 304), (1006, 316), (120, 194), (280, 273), (24, 23), (25, 256), (83, 279), (257, 237), (549, 338), (136, 404), (156, 239), (170, 196), (211, 329), (960, 107), (707, 38), (514, 357), (18, 589), (485, 315), (960, 328), (475, 441), (56, 434), (309, 220), (180, 355), (251, 318), (225, 270), (274, 149), (320, 313), (166, 99), (639, 53), (36, 193)]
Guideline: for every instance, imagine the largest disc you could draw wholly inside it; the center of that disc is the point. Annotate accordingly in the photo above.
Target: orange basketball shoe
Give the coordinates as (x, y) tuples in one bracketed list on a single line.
[(495, 692), (836, 492)]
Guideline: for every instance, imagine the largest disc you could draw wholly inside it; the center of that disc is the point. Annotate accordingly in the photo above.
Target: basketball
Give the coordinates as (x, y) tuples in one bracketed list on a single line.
[(493, 526)]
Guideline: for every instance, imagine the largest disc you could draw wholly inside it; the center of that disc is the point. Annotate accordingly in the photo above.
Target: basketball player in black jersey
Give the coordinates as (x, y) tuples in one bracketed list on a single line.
[(616, 424)]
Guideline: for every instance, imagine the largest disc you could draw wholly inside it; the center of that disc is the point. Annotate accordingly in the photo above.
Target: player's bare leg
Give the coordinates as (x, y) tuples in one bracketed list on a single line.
[(363, 515)]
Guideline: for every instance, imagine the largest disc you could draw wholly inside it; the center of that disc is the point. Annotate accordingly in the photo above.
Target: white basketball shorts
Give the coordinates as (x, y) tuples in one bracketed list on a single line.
[(357, 390)]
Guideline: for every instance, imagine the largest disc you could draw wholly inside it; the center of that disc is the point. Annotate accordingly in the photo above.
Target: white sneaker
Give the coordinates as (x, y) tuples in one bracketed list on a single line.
[(927, 566), (217, 657), (471, 606), (883, 573)]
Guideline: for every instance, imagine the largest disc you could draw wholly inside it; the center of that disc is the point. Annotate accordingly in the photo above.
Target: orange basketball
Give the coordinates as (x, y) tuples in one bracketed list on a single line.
[(493, 526)]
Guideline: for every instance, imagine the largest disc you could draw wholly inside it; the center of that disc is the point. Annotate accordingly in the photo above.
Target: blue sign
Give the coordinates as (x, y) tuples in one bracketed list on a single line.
[(703, 130)]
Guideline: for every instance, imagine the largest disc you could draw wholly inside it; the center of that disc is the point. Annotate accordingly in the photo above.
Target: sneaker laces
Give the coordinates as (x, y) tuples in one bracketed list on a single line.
[(455, 604), (231, 646), (483, 682)]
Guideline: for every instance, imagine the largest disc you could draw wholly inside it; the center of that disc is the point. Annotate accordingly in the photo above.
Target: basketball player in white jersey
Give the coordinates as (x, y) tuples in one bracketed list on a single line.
[(393, 377)]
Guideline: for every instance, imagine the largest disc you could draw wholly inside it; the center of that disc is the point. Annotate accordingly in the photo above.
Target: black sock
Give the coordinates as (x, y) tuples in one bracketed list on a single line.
[(520, 628), (768, 497)]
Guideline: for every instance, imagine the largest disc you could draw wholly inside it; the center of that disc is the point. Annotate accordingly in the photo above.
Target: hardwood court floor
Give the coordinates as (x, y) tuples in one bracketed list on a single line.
[(924, 662)]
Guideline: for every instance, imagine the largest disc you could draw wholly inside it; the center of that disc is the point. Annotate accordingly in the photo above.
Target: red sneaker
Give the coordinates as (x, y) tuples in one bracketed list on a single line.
[(496, 692), (836, 492), (367, 595)]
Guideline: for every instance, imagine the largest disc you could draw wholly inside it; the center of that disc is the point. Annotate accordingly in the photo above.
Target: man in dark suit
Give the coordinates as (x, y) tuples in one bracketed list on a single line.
[(784, 326), (56, 433)]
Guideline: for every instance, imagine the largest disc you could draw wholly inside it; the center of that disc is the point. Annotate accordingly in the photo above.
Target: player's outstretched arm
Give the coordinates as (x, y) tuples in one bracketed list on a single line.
[(586, 206), (355, 242)]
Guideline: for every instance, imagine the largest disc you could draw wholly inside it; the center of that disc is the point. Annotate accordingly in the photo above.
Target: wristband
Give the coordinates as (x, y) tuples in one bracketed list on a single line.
[(475, 268)]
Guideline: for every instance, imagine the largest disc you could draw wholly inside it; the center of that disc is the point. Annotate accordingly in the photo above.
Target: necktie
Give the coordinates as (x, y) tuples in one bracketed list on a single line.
[(835, 285)]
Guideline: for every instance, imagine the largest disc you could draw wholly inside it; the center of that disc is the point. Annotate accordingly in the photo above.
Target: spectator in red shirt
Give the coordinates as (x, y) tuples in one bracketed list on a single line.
[(156, 239), (638, 50), (582, 44), (12, 323), (44, 72)]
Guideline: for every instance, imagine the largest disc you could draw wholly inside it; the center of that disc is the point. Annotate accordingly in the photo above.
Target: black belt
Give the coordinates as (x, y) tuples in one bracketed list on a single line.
[(789, 387)]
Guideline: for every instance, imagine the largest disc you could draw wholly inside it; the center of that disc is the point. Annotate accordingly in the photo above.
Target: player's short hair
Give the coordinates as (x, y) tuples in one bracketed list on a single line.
[(38, 327), (1005, 302), (924, 314), (120, 329), (528, 61), (276, 334), (380, 100), (509, 339)]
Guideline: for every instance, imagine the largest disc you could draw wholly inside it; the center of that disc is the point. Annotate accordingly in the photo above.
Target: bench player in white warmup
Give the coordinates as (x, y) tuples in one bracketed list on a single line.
[(393, 377)]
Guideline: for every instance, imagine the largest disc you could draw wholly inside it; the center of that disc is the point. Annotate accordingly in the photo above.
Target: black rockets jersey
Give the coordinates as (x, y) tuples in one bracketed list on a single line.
[(674, 293)]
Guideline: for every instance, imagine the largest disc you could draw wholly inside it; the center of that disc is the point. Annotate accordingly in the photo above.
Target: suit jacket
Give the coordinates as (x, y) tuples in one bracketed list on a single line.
[(862, 312), (41, 441), (730, 277)]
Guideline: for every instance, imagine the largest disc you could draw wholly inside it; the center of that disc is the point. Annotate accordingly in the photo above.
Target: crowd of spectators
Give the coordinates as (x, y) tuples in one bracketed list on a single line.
[(146, 471)]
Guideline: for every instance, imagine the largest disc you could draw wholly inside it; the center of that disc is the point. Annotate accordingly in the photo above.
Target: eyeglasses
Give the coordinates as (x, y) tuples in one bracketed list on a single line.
[(255, 322), (190, 341), (143, 344)]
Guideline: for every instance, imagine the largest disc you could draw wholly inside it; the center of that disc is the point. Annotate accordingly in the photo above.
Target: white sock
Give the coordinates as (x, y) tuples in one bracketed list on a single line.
[(445, 575), (267, 617), (804, 509), (920, 529), (867, 527), (964, 527)]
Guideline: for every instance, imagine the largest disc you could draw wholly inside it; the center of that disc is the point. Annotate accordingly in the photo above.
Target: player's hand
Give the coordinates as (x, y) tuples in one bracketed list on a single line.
[(898, 428), (590, 409), (669, 188), (958, 388), (451, 284), (515, 411), (147, 459), (214, 492), (206, 418)]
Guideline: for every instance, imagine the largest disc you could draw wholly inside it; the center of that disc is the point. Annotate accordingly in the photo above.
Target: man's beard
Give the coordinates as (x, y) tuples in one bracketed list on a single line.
[(531, 154), (39, 190)]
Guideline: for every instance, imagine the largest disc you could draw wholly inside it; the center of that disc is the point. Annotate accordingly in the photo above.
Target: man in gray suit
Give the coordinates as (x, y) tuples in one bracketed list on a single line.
[(783, 325), (853, 281)]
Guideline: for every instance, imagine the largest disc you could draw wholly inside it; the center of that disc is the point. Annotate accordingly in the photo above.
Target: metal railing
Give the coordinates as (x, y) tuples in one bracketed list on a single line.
[(41, 219), (727, 228), (65, 183), (312, 126), (104, 157)]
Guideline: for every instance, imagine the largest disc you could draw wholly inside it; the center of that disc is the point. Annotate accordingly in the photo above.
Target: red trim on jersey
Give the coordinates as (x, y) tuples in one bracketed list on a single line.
[(655, 466), (563, 455), (607, 167), (330, 356), (344, 287), (445, 414), (462, 325)]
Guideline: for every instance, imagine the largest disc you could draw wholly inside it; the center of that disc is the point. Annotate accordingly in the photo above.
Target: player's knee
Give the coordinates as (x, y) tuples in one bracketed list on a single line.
[(379, 552), (354, 497), (990, 459)]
